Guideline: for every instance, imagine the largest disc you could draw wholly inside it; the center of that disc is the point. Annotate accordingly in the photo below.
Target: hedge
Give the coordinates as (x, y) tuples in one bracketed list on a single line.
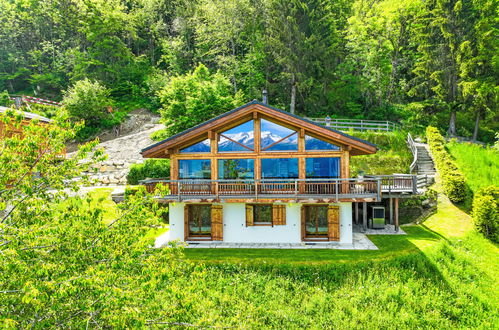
[(151, 168), (453, 180), (486, 212)]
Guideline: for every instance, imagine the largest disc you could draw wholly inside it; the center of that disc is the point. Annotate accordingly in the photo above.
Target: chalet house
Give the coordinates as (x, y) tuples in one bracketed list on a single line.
[(257, 174)]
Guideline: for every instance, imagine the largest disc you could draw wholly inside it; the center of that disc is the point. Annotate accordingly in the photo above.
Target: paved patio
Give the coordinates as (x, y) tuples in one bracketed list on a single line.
[(360, 242)]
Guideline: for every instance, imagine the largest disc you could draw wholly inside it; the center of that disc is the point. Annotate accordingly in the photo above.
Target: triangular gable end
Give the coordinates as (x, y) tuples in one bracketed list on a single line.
[(253, 110)]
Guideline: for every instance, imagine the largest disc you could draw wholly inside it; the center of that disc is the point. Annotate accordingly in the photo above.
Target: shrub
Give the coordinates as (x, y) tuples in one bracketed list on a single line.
[(151, 168), (5, 100), (453, 180), (486, 212), (89, 101)]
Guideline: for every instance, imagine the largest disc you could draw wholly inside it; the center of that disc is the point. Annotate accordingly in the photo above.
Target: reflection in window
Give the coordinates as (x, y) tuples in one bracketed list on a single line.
[(275, 137), (236, 168), (199, 217), (323, 167), (194, 169), (312, 143), (275, 168), (239, 138), (203, 146), (316, 224), (262, 214)]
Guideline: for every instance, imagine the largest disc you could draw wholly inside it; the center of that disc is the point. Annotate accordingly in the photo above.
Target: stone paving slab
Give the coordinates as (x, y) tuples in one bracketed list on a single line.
[(388, 230)]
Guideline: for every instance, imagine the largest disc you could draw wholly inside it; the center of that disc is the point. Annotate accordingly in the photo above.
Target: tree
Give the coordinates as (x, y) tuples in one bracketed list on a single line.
[(89, 101), (193, 98)]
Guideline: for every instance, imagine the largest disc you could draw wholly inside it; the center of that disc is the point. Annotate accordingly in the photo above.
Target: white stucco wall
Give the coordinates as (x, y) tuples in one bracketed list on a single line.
[(235, 230)]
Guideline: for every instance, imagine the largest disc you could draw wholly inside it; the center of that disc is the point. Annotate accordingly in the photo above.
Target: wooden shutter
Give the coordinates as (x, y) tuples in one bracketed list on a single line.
[(249, 215), (278, 215), (186, 222), (333, 219), (216, 222), (303, 215)]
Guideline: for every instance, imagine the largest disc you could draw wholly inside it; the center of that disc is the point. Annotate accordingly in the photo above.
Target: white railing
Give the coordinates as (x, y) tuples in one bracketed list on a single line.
[(414, 150), (357, 124)]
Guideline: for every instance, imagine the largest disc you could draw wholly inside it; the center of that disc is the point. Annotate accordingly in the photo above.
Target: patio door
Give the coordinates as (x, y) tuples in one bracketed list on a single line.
[(320, 222), (197, 220)]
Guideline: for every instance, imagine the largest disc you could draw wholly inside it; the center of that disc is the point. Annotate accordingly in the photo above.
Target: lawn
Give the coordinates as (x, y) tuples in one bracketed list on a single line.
[(479, 165), (441, 275)]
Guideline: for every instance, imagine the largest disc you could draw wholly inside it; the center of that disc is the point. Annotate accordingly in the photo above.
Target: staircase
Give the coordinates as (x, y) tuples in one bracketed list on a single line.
[(424, 163)]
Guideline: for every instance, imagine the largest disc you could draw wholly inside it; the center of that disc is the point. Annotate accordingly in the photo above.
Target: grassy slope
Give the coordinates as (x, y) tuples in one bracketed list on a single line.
[(440, 275), (479, 165)]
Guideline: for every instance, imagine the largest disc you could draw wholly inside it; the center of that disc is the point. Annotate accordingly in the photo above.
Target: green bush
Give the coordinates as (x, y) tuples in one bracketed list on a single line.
[(151, 168), (5, 100), (486, 212), (453, 180), (88, 100)]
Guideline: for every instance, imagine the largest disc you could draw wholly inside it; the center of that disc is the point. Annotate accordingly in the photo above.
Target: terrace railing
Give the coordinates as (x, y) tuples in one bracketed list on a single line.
[(358, 124), (269, 188), (414, 150)]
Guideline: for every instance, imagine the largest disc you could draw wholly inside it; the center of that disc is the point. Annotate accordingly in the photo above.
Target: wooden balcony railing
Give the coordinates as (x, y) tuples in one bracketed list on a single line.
[(269, 188)]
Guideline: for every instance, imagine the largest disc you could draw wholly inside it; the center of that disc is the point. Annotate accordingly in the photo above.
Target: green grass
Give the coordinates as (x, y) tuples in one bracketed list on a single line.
[(393, 155), (441, 275), (479, 165)]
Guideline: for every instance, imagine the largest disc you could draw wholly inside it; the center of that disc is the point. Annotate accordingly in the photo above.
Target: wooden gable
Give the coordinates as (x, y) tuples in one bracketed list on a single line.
[(256, 111)]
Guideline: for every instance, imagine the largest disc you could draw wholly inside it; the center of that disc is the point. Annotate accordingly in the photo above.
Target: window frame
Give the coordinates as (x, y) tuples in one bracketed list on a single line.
[(262, 223)]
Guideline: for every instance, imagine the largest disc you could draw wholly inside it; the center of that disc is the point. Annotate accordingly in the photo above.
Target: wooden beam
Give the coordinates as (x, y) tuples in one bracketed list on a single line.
[(364, 216), (391, 211), (356, 213), (397, 214)]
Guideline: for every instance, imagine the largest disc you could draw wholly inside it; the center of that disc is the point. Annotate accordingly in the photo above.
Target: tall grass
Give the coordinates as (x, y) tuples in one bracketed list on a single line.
[(479, 165)]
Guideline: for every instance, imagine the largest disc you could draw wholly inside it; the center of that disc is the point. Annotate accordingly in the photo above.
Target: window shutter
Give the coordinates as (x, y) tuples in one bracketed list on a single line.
[(186, 222), (249, 215), (216, 222), (278, 215), (303, 215), (333, 219)]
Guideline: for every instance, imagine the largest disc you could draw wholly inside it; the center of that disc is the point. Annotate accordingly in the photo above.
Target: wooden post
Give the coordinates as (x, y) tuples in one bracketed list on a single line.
[(356, 213), (364, 216), (396, 214), (391, 211)]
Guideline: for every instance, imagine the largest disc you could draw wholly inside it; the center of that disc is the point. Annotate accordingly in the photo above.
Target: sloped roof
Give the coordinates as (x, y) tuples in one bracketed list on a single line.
[(261, 108), (27, 115)]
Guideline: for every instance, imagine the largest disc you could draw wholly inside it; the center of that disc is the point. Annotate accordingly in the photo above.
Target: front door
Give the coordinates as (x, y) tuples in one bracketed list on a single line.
[(198, 220), (316, 221)]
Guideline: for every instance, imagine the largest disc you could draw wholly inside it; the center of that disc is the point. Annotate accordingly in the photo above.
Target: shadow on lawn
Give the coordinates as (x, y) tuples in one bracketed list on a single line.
[(397, 258)]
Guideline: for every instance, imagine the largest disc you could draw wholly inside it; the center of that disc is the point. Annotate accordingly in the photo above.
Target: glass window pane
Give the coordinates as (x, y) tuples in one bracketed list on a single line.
[(316, 220), (272, 134), (312, 143), (239, 138), (199, 220), (323, 167), (262, 213), (194, 169), (275, 168), (236, 168), (203, 146)]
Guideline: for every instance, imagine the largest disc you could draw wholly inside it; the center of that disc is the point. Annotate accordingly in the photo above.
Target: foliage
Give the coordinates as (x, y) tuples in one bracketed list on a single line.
[(5, 100), (392, 157), (194, 98), (452, 179), (480, 165), (150, 169), (89, 101), (486, 212)]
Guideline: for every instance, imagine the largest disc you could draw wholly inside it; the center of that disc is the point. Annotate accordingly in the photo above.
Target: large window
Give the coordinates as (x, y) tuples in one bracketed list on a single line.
[(194, 169), (323, 167), (275, 137), (276, 168), (199, 220), (203, 146), (262, 214), (312, 143), (236, 169), (316, 224), (239, 138)]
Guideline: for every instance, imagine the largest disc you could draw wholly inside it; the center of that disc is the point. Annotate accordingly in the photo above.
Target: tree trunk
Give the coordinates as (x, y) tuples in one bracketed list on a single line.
[(293, 95), (477, 123), (452, 123)]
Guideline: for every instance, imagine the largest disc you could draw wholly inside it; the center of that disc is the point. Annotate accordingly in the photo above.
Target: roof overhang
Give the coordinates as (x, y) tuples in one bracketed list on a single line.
[(163, 148)]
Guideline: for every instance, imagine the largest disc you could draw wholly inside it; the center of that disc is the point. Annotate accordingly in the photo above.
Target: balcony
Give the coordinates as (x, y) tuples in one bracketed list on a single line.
[(327, 190)]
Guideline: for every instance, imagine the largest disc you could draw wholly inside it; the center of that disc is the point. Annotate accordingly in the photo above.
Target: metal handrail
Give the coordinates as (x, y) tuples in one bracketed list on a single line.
[(414, 151), (358, 124)]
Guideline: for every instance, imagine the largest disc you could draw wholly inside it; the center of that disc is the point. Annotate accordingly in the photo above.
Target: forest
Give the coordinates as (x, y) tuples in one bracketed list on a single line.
[(417, 62)]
